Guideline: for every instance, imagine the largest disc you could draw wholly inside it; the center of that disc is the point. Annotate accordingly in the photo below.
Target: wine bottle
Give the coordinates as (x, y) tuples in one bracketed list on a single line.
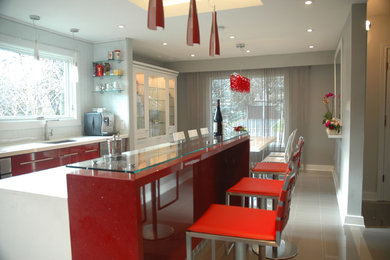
[(218, 120)]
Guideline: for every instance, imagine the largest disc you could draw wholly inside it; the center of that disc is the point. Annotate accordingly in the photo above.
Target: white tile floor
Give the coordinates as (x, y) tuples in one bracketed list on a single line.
[(315, 226)]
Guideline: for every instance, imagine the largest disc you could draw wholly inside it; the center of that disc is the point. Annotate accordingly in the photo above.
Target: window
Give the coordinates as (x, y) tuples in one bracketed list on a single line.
[(262, 111), (31, 88)]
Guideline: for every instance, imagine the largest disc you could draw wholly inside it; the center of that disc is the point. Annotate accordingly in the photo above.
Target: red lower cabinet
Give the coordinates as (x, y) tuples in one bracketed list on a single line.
[(26, 163), (32, 162)]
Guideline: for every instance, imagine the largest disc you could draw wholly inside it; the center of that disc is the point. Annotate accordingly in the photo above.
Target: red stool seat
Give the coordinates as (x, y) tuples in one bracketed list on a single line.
[(235, 221), (259, 187), (270, 167)]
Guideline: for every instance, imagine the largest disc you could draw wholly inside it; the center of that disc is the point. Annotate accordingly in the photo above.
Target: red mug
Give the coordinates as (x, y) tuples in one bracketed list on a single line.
[(99, 70)]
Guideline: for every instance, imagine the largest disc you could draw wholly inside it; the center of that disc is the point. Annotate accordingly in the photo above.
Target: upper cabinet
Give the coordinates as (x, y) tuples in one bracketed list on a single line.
[(155, 104)]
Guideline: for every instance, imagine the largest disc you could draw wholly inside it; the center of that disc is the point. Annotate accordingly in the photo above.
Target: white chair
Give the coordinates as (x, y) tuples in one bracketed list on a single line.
[(179, 136), (204, 131), (192, 134), (282, 157)]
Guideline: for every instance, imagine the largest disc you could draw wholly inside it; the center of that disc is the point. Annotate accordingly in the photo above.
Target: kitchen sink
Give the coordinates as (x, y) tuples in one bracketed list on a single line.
[(59, 141)]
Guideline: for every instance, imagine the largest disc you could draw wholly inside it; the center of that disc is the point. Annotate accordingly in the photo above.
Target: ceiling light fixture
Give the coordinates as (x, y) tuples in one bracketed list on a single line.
[(311, 46), (232, 37), (164, 43), (214, 38), (155, 15), (248, 51), (75, 58), (192, 55), (121, 26), (193, 35), (75, 71), (36, 52), (308, 2), (238, 82), (309, 30), (368, 25)]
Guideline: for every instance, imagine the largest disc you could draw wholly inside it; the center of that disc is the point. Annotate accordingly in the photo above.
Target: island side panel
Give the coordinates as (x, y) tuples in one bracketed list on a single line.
[(214, 175), (104, 218)]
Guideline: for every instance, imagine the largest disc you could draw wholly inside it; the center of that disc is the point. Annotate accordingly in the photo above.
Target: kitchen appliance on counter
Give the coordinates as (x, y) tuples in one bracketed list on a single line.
[(98, 123), (5, 168)]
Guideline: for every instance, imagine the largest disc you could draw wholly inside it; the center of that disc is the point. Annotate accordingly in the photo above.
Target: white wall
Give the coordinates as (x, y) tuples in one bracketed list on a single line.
[(14, 32), (118, 103)]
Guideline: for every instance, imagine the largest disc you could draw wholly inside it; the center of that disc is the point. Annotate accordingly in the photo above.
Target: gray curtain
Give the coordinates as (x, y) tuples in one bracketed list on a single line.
[(195, 105)]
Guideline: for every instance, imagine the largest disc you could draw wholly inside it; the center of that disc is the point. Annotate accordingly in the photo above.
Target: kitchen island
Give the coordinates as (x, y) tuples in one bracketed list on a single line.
[(139, 205)]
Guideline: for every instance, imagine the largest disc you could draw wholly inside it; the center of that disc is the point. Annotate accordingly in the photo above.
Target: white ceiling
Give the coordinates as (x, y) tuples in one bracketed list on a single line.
[(277, 27)]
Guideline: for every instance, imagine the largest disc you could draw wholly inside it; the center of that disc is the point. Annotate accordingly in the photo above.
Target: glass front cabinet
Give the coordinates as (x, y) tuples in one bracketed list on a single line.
[(154, 109)]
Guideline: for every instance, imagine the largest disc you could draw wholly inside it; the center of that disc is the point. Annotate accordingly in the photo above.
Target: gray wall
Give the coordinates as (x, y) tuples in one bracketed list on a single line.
[(257, 62), (318, 148), (349, 179), (194, 104)]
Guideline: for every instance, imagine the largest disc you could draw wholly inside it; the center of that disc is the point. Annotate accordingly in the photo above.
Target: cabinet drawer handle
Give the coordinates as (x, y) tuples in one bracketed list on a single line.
[(37, 161), (69, 154), (91, 151)]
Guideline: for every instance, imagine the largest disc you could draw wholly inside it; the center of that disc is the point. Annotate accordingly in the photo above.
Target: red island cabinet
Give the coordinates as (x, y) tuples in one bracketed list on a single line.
[(144, 215)]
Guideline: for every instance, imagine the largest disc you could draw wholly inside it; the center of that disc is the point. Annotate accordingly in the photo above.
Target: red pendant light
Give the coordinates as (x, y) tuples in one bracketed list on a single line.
[(214, 38), (239, 83), (193, 36), (155, 14)]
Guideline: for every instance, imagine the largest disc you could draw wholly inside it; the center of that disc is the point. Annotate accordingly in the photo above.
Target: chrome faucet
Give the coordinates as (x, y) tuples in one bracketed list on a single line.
[(47, 134)]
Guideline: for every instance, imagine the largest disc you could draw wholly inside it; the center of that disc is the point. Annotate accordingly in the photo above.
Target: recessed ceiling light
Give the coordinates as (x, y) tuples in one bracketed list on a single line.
[(232, 37), (309, 30), (164, 43), (311, 46), (248, 51), (308, 2), (192, 55), (121, 26)]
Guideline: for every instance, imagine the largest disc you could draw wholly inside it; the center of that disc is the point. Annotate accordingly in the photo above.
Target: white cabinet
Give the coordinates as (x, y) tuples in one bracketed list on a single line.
[(154, 104)]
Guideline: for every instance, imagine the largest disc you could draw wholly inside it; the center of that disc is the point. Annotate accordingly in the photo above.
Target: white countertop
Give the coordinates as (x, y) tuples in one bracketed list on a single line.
[(51, 182), (7, 150)]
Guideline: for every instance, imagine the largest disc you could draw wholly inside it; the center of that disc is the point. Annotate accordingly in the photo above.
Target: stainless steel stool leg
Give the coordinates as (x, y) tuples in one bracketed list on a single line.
[(188, 247), (239, 251), (261, 250), (286, 250), (213, 249)]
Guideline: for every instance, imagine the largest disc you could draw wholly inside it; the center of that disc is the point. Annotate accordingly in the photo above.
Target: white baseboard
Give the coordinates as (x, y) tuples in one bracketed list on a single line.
[(318, 167), (370, 196), (352, 220)]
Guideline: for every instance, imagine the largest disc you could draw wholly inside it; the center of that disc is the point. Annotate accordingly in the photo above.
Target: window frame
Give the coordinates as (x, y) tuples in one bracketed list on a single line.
[(279, 144), (72, 91)]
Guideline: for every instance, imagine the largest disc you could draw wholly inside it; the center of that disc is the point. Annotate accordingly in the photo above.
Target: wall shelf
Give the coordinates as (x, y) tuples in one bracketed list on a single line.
[(108, 91)]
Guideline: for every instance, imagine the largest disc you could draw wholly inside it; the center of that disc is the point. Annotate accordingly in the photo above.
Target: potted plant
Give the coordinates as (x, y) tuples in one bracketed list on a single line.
[(332, 124)]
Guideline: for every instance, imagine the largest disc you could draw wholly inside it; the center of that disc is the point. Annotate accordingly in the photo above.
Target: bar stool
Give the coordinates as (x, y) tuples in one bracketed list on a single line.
[(259, 188), (273, 168), (281, 157), (192, 134), (178, 137), (245, 225)]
